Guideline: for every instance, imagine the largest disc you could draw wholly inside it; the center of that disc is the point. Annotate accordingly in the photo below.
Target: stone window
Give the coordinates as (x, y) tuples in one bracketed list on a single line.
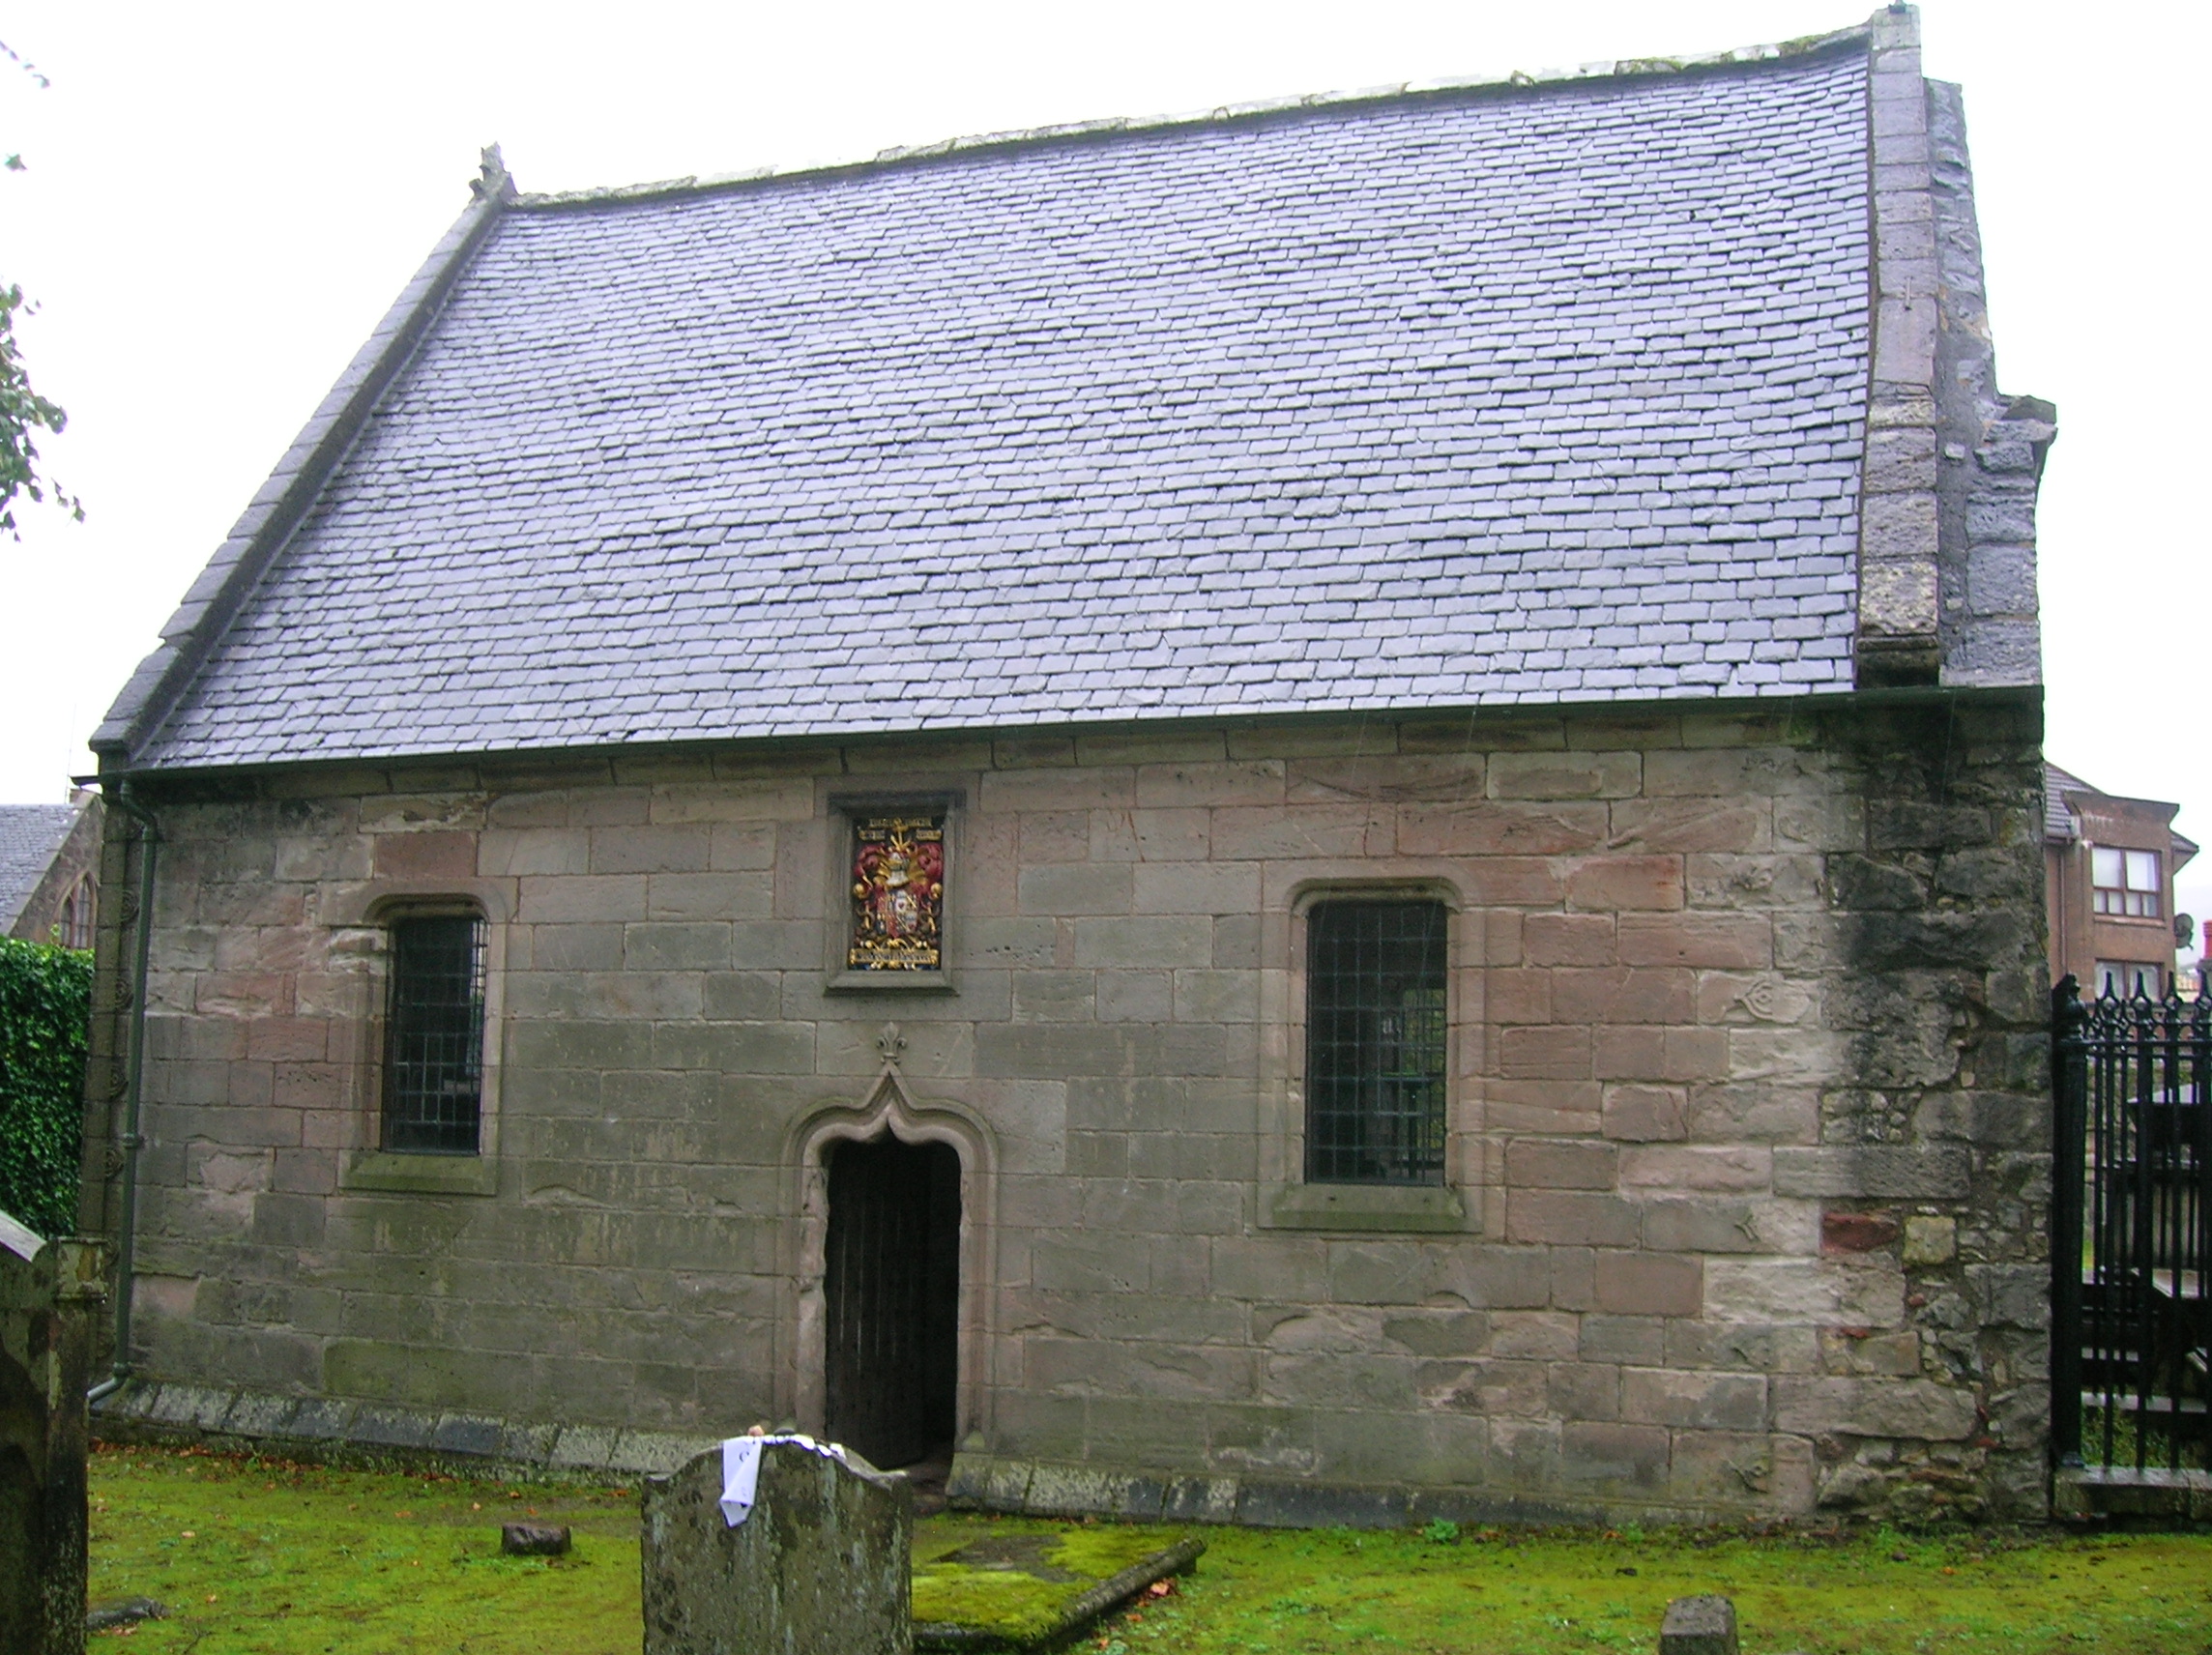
[(1377, 1038), (2124, 883), (434, 1034), (79, 913)]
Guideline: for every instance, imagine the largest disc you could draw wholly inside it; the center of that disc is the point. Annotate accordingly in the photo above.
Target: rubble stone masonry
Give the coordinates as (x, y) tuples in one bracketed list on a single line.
[(1749, 1123)]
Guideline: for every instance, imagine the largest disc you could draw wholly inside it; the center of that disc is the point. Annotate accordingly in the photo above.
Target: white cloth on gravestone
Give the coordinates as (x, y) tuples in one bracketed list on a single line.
[(741, 1475), (740, 1468)]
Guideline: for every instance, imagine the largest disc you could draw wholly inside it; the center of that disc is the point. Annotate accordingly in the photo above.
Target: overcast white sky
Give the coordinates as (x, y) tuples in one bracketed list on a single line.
[(223, 199)]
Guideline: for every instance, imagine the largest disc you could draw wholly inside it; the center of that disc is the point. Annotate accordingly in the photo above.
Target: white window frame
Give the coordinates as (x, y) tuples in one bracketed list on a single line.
[(2126, 883)]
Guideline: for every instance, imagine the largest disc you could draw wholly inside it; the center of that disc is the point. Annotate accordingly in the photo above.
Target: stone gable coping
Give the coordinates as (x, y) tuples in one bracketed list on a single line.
[(1898, 641), (1992, 446), (1947, 577), (291, 489)]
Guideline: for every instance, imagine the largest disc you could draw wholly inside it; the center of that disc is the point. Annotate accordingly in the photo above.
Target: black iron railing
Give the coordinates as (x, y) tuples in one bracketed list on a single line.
[(2131, 1236)]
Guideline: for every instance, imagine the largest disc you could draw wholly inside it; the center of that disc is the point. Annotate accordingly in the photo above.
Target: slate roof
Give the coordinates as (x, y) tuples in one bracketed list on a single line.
[(1495, 396), (30, 835), (2058, 824)]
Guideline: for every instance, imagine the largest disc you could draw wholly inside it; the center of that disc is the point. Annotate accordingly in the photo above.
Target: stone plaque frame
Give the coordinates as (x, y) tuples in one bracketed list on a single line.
[(858, 821)]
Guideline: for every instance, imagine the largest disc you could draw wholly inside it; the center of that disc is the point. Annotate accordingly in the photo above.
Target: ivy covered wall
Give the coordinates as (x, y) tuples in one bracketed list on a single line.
[(46, 1008)]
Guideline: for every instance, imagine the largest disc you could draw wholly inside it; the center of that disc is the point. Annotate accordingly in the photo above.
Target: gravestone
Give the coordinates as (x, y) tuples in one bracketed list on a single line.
[(821, 1565), (1699, 1626), (49, 1298)]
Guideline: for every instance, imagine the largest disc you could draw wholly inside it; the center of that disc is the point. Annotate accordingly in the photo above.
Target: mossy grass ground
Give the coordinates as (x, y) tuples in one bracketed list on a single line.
[(302, 1560), (1552, 1593), (260, 1557)]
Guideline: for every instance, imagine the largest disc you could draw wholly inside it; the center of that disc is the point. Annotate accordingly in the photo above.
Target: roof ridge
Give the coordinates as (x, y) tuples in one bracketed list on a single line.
[(1122, 126)]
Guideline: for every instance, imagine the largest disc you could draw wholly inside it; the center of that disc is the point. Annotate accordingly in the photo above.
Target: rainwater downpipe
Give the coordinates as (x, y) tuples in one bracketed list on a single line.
[(131, 1138)]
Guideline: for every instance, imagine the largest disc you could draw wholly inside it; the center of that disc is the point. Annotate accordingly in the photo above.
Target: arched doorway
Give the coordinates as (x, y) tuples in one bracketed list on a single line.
[(892, 1299)]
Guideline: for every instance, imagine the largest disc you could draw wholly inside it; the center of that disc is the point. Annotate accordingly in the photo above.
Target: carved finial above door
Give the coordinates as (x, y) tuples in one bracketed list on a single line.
[(890, 1043)]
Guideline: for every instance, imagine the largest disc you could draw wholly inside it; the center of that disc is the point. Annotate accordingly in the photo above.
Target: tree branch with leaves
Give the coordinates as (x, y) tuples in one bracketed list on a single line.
[(23, 412)]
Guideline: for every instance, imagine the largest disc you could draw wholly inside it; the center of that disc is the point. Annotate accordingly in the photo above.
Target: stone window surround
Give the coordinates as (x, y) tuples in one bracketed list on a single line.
[(1287, 1202), (361, 929), (802, 1245), (845, 808)]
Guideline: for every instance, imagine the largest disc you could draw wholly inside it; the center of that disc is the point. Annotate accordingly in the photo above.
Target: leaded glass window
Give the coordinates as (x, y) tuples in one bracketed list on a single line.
[(433, 1045), (1375, 1042)]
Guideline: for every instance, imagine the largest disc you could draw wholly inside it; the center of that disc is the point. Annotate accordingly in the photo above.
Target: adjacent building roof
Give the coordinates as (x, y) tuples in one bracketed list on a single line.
[(1474, 396), (2062, 826), (2059, 822), (30, 837)]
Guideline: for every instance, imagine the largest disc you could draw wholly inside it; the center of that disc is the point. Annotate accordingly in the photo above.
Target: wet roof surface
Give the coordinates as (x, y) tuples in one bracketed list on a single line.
[(1434, 401)]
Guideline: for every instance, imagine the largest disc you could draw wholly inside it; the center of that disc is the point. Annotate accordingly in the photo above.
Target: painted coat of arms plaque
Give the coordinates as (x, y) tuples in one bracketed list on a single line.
[(898, 894)]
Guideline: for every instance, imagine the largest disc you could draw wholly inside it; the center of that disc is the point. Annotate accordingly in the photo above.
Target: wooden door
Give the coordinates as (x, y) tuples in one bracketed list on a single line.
[(892, 1287)]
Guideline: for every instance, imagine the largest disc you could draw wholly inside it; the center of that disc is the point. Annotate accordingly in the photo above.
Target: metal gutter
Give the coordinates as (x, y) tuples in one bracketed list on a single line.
[(131, 1138), (811, 738)]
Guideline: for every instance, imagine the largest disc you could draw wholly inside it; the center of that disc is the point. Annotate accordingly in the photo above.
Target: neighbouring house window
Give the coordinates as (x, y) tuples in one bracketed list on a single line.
[(1375, 1043), (2124, 883), (434, 1022), (898, 894), (2127, 978)]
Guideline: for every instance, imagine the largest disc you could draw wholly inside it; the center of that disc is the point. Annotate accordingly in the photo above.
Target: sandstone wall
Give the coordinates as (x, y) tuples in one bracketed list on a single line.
[(1749, 1128)]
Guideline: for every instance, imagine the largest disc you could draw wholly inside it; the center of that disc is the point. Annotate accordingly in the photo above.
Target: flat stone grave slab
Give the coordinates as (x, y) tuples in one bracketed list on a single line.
[(1011, 1583)]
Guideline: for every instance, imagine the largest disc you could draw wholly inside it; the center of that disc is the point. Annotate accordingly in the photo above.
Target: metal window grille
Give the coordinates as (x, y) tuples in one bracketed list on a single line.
[(1375, 1043), (433, 1053)]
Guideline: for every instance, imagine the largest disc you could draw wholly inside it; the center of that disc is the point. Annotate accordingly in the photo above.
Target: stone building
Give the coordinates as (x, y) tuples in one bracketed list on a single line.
[(49, 870), (1327, 811)]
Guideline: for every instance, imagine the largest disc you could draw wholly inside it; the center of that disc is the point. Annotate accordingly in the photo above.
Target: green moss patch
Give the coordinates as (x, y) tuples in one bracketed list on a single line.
[(257, 1557), (983, 1581), (261, 1557)]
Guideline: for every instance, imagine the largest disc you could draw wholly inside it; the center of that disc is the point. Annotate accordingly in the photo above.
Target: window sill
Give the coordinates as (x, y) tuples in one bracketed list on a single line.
[(895, 982), (1413, 1208), (420, 1174)]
